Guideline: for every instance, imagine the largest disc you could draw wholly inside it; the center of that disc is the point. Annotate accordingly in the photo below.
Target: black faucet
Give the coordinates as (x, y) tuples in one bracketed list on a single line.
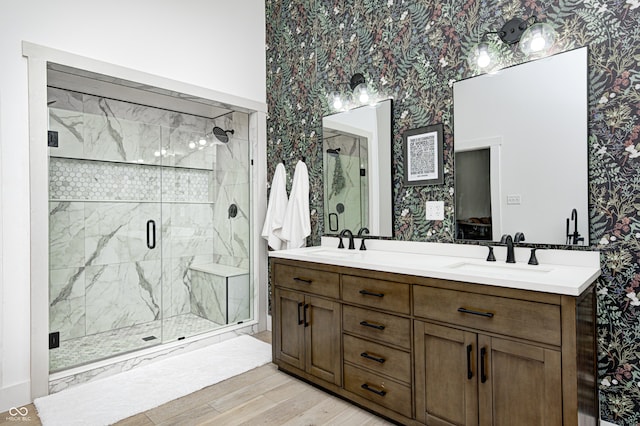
[(347, 233), (574, 238), (506, 239), (518, 237), (361, 234)]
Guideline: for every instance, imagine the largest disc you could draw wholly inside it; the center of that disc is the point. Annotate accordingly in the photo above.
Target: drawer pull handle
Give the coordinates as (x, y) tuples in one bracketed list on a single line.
[(300, 321), (306, 308), (376, 326), (372, 358), (302, 280), (483, 374), (482, 314), (469, 372), (370, 389), (369, 293)]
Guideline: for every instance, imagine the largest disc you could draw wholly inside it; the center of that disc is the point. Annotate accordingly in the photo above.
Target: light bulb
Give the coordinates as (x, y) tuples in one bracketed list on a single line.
[(537, 39), (163, 152), (202, 141), (337, 102), (157, 153), (537, 42), (361, 93), (364, 96), (192, 145), (483, 59)]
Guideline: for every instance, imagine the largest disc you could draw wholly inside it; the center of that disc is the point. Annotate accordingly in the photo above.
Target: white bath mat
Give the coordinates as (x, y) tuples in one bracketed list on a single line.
[(105, 401)]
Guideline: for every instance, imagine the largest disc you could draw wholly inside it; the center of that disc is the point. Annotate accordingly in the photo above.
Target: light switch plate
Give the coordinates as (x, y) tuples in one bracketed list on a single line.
[(513, 199), (434, 210)]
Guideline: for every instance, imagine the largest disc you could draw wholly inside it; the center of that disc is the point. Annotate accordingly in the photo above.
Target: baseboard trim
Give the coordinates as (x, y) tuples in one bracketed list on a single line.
[(604, 423), (16, 395)]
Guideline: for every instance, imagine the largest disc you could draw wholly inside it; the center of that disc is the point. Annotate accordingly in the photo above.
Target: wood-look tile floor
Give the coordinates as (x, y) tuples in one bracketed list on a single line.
[(263, 396)]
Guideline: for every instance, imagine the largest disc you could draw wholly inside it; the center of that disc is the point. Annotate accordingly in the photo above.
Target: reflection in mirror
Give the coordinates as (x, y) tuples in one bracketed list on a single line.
[(357, 169), (520, 144)]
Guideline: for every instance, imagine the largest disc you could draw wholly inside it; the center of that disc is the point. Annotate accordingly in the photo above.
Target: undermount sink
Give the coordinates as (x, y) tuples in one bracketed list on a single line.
[(500, 270), (336, 253)]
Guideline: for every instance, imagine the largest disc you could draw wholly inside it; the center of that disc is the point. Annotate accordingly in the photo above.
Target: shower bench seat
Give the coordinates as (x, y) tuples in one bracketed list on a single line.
[(220, 293)]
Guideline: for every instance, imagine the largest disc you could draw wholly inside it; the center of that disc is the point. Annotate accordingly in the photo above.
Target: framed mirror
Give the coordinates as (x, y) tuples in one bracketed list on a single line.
[(520, 145), (356, 147)]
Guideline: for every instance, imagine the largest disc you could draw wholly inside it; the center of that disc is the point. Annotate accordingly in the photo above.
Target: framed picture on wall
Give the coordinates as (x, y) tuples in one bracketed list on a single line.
[(422, 149)]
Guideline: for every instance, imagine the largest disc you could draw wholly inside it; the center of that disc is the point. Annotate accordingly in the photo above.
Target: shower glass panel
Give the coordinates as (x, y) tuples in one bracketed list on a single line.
[(346, 183), (144, 249), (205, 248), (104, 204)]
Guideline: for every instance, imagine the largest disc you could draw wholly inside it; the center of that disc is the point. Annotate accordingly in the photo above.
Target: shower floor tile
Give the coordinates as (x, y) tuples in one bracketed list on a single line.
[(87, 349)]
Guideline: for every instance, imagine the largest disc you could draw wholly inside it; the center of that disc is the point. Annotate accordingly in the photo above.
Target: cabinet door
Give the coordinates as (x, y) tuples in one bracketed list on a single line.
[(322, 339), (522, 383), (289, 328), (446, 375)]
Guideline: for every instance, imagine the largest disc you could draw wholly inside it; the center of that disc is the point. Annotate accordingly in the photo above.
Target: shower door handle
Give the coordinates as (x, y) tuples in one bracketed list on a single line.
[(151, 234)]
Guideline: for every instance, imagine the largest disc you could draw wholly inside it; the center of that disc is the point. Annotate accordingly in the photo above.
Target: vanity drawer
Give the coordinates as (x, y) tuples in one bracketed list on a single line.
[(308, 280), (512, 317), (376, 325), (384, 392), (379, 358), (378, 294)]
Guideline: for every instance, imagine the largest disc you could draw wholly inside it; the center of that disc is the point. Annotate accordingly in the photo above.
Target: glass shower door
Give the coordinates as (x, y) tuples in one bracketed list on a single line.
[(105, 218)]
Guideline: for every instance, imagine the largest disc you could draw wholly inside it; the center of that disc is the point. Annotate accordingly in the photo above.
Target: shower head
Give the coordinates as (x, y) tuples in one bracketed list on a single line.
[(221, 134), (333, 151)]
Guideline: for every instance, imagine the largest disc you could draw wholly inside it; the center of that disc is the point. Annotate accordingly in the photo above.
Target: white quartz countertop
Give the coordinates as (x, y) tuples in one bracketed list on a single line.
[(567, 272)]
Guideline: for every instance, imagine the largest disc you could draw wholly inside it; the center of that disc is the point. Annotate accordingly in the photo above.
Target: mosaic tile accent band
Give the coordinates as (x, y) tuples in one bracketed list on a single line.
[(72, 179)]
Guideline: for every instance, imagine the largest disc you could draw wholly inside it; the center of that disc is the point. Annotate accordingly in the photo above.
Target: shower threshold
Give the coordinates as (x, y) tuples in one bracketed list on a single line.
[(96, 347)]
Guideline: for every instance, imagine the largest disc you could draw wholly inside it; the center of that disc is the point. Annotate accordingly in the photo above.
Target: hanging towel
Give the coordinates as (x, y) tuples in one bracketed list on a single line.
[(297, 220), (276, 209), (338, 183)]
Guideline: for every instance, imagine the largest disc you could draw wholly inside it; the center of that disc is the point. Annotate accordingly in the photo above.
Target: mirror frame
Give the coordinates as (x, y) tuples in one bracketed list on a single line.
[(379, 165)]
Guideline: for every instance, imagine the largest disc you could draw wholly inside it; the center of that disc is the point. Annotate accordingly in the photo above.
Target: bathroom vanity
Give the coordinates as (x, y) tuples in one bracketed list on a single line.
[(433, 334)]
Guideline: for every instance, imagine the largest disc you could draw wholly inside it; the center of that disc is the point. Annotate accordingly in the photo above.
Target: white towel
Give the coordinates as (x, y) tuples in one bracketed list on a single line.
[(297, 219), (276, 209)]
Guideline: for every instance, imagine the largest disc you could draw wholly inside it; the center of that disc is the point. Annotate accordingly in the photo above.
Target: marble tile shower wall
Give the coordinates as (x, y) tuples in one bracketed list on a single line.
[(104, 187)]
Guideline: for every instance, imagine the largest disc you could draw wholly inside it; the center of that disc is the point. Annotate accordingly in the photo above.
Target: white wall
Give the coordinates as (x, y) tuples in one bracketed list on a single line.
[(216, 44)]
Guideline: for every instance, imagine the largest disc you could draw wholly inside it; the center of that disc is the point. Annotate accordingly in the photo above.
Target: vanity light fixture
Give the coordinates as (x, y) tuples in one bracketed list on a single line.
[(358, 86), (534, 37), (360, 93)]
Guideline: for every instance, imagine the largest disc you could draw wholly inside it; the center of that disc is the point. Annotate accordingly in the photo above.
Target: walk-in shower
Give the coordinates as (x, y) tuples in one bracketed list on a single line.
[(143, 249)]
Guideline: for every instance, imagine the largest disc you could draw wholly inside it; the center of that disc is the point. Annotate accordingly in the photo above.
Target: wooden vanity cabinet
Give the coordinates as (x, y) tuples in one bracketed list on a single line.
[(306, 326), (464, 378), (436, 352), (511, 357)]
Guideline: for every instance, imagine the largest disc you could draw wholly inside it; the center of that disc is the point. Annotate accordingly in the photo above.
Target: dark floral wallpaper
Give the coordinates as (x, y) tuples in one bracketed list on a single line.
[(413, 50)]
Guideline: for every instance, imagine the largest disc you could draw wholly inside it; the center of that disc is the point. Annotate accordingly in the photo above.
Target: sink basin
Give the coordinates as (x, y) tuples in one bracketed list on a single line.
[(335, 253), (500, 270)]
